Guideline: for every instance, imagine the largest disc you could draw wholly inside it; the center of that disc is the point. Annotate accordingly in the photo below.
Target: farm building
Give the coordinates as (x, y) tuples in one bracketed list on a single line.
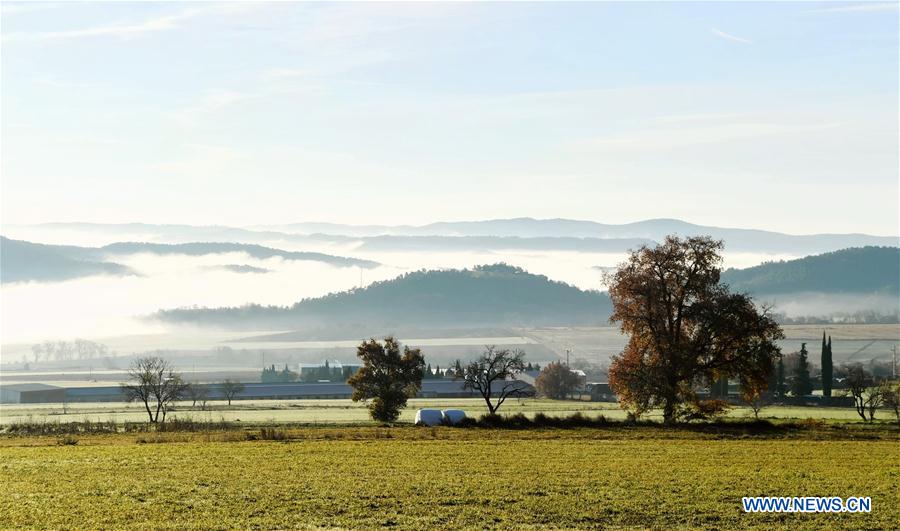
[(600, 392), (31, 393)]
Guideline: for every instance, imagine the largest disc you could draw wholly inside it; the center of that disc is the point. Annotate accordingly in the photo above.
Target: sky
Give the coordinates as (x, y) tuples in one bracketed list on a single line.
[(779, 116)]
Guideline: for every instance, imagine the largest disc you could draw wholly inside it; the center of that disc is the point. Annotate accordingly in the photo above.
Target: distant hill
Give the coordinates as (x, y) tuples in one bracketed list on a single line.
[(22, 261), (871, 270), (486, 296), (256, 251)]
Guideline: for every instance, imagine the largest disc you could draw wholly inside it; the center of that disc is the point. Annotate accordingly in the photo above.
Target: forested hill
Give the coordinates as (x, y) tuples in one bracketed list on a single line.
[(22, 261), (492, 295), (856, 270)]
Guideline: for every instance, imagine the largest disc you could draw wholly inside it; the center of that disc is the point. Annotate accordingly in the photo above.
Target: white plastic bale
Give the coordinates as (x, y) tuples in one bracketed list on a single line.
[(454, 416), (429, 417)]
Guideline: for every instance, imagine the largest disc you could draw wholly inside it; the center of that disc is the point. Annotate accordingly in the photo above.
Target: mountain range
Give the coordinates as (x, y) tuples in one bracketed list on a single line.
[(532, 233)]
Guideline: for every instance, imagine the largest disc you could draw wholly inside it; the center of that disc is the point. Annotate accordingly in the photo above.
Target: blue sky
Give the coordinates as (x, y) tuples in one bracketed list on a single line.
[(781, 116)]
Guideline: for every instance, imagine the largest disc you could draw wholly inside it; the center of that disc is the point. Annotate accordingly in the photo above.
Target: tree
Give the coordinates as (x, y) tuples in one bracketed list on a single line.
[(231, 388), (827, 367), (153, 382), (891, 397), (556, 381), (197, 393), (684, 327), (867, 397), (780, 385), (273, 375), (494, 366), (801, 384), (387, 378), (754, 397)]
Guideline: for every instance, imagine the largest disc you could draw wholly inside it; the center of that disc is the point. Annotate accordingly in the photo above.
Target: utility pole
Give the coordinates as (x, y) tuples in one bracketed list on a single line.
[(567, 357), (894, 361)]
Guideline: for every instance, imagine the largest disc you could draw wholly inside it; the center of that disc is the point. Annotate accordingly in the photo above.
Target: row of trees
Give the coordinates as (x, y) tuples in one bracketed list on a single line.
[(79, 349), (273, 375), (154, 383)]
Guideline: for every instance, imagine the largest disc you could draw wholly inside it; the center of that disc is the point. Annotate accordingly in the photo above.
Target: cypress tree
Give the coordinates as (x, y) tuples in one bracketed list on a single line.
[(827, 367), (802, 385), (428, 373), (719, 387), (780, 387)]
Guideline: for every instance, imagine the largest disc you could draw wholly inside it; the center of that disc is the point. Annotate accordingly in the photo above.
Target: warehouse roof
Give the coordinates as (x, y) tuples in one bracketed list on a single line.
[(29, 387)]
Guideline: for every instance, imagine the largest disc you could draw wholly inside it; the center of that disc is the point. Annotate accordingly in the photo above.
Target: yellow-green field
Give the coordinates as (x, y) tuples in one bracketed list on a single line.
[(347, 412), (442, 478)]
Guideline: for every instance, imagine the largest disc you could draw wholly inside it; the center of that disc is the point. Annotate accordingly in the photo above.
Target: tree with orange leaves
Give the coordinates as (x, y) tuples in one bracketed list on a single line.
[(685, 328)]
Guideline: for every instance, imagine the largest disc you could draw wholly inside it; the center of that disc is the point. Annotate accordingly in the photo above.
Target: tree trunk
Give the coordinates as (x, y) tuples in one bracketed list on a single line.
[(149, 413), (669, 410)]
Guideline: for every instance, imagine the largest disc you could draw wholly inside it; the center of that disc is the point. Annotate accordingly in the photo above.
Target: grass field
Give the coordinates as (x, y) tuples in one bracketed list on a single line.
[(346, 411), (444, 478)]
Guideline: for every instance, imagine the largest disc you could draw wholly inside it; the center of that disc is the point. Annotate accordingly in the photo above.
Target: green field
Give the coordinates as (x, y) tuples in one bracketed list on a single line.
[(443, 478), (345, 411)]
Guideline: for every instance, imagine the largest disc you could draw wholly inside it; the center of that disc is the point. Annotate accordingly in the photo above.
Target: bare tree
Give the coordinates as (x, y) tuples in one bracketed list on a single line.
[(867, 396), (876, 395), (197, 393), (155, 383), (495, 366), (231, 389), (891, 397)]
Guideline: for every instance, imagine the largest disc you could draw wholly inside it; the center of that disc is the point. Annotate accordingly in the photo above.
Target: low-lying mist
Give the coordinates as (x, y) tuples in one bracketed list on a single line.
[(98, 307)]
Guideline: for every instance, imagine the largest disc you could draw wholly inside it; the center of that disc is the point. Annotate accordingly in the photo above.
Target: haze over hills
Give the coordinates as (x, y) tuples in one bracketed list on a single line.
[(203, 248), (654, 229), (24, 261), (871, 270), (485, 296), (492, 243), (584, 236), (501, 295)]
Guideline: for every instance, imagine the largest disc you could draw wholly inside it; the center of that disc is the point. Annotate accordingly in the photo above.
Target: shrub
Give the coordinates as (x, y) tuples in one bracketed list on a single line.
[(705, 410), (272, 434)]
